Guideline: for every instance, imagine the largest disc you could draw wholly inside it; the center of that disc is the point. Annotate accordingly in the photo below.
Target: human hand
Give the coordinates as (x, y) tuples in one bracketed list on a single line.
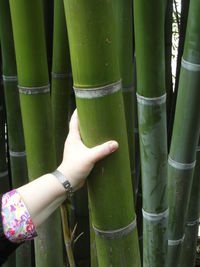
[(79, 160)]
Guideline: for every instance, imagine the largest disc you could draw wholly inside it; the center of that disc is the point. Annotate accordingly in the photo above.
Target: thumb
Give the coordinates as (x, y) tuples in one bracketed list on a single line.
[(103, 150)]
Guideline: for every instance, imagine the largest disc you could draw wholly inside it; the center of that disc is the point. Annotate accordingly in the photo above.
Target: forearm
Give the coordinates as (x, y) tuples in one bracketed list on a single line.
[(42, 197)]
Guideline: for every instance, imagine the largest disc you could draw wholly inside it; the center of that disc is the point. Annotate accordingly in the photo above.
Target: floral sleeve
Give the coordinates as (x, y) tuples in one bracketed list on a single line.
[(17, 223)]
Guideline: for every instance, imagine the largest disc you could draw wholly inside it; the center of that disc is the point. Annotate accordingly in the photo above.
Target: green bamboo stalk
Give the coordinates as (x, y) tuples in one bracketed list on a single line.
[(188, 251), (61, 89), (48, 9), (29, 40), (92, 38), (185, 136), (183, 24), (67, 236), (151, 97), (4, 177), (124, 18), (168, 56), (15, 129), (61, 79), (4, 180)]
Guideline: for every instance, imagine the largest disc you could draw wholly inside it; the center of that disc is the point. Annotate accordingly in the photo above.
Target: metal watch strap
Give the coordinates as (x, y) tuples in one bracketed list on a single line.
[(63, 180)]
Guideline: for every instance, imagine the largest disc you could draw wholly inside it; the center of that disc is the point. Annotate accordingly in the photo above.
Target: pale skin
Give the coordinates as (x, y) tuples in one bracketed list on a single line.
[(45, 194)]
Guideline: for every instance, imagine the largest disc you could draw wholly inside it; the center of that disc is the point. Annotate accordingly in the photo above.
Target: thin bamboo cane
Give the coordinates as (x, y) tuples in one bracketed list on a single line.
[(60, 93), (29, 40), (61, 79), (185, 136), (15, 129), (92, 38), (168, 56), (183, 24), (124, 18), (67, 237), (48, 9), (4, 180), (150, 62), (188, 251)]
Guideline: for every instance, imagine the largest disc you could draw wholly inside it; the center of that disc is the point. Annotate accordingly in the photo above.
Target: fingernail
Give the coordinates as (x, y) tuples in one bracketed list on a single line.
[(113, 146)]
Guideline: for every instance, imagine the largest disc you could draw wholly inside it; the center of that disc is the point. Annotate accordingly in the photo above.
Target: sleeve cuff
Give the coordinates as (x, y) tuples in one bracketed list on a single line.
[(17, 223)]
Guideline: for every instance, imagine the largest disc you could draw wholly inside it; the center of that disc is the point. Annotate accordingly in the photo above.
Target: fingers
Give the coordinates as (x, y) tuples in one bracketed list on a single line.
[(74, 124), (101, 151)]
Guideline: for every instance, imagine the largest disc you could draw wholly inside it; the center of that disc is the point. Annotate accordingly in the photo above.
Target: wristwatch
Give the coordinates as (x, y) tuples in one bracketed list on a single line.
[(63, 180)]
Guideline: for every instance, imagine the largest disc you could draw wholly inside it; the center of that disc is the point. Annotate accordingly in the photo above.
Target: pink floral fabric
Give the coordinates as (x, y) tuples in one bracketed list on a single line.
[(17, 223)]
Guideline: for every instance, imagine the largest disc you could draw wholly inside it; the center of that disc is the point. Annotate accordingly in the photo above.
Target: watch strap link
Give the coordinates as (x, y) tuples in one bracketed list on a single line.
[(63, 180)]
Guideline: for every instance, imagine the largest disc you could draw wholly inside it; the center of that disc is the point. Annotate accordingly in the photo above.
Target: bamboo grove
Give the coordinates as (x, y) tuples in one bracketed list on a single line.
[(112, 60)]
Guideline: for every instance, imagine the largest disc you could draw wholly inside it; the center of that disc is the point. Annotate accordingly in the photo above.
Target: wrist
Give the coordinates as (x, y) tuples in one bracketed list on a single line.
[(64, 181)]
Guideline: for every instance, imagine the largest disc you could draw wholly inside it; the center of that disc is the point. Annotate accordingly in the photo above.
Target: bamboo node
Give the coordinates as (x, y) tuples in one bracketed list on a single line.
[(115, 234), (136, 130), (96, 92), (181, 166), (155, 216), (176, 242), (3, 174), (189, 65), (34, 90), (129, 89), (193, 223), (9, 78), (151, 100), (60, 76), (17, 153)]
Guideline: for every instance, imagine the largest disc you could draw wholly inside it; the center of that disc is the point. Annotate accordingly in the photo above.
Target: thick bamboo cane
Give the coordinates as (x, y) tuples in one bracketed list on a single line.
[(151, 97), (185, 136), (29, 39), (15, 129), (92, 38), (188, 251)]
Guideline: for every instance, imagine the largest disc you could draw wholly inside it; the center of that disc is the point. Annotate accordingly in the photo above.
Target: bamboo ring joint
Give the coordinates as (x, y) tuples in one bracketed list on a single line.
[(114, 234), (9, 78), (34, 90), (189, 65), (176, 242), (151, 100), (96, 92), (155, 216), (3, 174), (181, 166), (17, 154), (128, 89), (193, 223), (60, 76)]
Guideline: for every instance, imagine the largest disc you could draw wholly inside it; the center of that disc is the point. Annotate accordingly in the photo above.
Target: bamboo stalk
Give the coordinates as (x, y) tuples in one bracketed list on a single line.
[(150, 62), (4, 180), (92, 38), (67, 237), (185, 136), (124, 18), (188, 251), (183, 24), (168, 56), (29, 40), (15, 129)]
